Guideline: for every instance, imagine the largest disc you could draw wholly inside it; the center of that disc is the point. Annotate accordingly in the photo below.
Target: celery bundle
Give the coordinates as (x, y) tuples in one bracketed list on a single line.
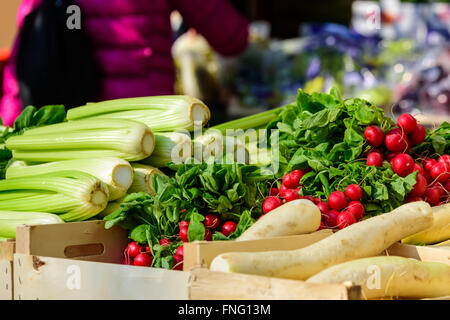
[(212, 144), (169, 147), (74, 195), (89, 138), (116, 173), (160, 113), (9, 220), (142, 181)]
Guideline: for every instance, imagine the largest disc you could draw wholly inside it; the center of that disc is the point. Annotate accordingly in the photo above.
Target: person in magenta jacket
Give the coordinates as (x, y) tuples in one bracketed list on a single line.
[(133, 41)]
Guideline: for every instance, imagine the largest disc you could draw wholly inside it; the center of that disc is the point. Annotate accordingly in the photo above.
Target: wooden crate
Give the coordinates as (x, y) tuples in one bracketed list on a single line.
[(81, 261), (6, 269), (212, 285), (203, 252), (422, 253)]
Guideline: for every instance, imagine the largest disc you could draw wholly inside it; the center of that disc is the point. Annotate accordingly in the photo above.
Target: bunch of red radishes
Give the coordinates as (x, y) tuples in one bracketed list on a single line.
[(432, 183), (289, 190), (211, 223), (138, 255), (339, 211), (342, 208)]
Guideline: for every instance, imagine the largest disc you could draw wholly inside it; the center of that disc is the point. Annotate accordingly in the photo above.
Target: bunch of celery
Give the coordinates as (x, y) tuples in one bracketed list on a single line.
[(142, 179), (116, 173), (9, 220), (84, 139), (169, 147), (73, 195), (160, 113)]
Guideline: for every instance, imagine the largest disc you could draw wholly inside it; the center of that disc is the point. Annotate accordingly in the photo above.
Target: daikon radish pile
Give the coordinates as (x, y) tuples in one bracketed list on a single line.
[(292, 218), (438, 232), (391, 277), (367, 238)]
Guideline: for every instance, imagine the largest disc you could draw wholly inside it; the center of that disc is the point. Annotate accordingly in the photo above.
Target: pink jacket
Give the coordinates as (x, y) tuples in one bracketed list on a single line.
[(133, 41)]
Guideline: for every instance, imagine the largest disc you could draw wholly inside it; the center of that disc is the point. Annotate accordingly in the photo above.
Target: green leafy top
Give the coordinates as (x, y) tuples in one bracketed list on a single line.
[(28, 119)]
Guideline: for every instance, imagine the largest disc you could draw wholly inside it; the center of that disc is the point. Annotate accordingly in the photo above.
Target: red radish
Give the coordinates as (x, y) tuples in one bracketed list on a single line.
[(374, 159), (374, 135), (413, 199), (337, 200), (274, 192), (391, 156), (310, 198), (374, 150), (322, 226), (330, 218), (345, 219), (428, 177), (184, 234), (180, 251), (323, 207), (147, 249), (291, 194), (271, 203), (357, 209), (289, 182), (184, 224), (440, 172), (211, 221), (447, 185), (296, 175), (317, 200), (354, 192), (432, 195), (445, 159), (283, 190), (127, 261), (418, 167), (134, 249), (429, 163), (420, 187), (208, 235), (407, 122), (396, 141), (228, 227), (403, 164), (418, 135), (143, 260), (164, 242), (177, 262)]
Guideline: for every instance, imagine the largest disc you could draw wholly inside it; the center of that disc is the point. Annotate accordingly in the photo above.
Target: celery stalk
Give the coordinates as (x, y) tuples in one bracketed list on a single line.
[(160, 113), (125, 139), (142, 181), (9, 220), (74, 195), (116, 173)]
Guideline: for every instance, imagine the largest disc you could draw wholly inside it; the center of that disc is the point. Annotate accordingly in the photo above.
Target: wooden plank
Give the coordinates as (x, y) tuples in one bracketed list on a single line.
[(6, 269), (203, 252), (46, 278), (445, 244), (7, 249), (213, 285), (6, 278), (88, 240), (423, 253)]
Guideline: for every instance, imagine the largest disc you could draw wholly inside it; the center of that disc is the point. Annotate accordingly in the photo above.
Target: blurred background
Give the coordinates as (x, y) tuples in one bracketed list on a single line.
[(393, 53)]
